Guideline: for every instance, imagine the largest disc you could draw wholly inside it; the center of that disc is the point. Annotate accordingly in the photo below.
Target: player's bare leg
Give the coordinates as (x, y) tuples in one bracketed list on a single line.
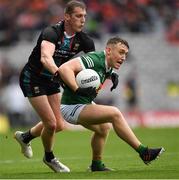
[(48, 111), (98, 141), (37, 129), (54, 101), (42, 107), (48, 114), (97, 114)]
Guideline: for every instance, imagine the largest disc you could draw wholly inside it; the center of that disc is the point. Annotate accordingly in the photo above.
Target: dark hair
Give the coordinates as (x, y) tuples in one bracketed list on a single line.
[(116, 40), (71, 5)]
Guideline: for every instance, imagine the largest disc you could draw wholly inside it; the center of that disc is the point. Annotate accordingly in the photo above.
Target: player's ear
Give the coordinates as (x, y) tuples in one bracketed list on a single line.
[(108, 50)]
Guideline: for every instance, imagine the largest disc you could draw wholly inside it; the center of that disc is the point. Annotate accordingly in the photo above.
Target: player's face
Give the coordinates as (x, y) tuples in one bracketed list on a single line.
[(117, 55), (77, 19)]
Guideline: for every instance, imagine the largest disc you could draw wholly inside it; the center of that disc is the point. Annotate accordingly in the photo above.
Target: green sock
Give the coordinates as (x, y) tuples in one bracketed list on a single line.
[(141, 148), (97, 163)]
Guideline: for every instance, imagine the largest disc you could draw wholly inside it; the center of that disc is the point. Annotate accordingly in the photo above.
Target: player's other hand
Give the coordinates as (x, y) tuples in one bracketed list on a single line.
[(115, 80), (89, 91), (57, 79)]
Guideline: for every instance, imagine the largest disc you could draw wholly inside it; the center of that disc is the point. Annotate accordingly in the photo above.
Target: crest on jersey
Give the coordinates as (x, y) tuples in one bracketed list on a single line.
[(36, 89), (76, 46)]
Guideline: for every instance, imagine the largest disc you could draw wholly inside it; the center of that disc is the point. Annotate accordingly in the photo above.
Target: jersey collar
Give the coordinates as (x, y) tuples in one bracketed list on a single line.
[(108, 69), (68, 36)]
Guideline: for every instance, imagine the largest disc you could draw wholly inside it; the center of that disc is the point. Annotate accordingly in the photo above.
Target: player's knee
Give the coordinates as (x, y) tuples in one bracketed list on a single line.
[(60, 126), (104, 129), (50, 126), (116, 114)]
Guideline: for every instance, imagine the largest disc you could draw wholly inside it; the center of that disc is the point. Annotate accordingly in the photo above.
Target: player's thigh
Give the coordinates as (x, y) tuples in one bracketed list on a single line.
[(55, 101), (97, 114), (43, 108)]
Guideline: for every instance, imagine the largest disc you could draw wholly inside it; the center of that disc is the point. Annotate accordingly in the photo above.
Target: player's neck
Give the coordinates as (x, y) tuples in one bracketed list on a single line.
[(68, 30)]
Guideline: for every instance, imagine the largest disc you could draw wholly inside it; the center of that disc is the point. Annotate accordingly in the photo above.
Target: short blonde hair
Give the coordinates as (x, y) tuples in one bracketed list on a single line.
[(116, 40)]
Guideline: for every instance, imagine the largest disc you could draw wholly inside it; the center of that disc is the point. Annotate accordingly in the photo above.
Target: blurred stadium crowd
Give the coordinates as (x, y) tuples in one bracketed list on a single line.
[(20, 20)]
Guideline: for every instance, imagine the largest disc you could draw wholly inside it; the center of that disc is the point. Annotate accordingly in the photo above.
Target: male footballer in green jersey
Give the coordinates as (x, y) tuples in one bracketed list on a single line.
[(77, 106)]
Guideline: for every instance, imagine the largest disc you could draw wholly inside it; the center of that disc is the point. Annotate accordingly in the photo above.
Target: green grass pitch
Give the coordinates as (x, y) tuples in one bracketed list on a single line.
[(73, 149)]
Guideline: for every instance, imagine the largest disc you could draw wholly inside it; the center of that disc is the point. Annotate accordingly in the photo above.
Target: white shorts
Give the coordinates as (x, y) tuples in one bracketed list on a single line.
[(71, 112)]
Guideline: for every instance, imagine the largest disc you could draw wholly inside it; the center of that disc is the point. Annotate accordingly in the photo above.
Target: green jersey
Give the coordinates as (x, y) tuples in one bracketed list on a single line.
[(93, 60)]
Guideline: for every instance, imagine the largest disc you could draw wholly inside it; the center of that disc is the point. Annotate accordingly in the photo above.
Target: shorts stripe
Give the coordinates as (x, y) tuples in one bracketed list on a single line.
[(71, 112), (74, 110)]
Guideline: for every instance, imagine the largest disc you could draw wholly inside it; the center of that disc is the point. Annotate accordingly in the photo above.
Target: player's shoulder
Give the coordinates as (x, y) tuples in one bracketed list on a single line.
[(95, 55), (99, 54), (86, 42), (49, 30), (57, 28), (52, 32), (59, 25), (84, 37)]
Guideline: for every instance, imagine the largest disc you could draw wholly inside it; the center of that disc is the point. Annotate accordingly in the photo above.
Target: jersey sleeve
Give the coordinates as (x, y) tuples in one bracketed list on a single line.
[(50, 35), (87, 62)]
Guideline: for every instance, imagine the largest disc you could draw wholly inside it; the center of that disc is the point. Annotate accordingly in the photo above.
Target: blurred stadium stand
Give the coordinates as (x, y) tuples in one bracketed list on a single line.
[(150, 26)]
